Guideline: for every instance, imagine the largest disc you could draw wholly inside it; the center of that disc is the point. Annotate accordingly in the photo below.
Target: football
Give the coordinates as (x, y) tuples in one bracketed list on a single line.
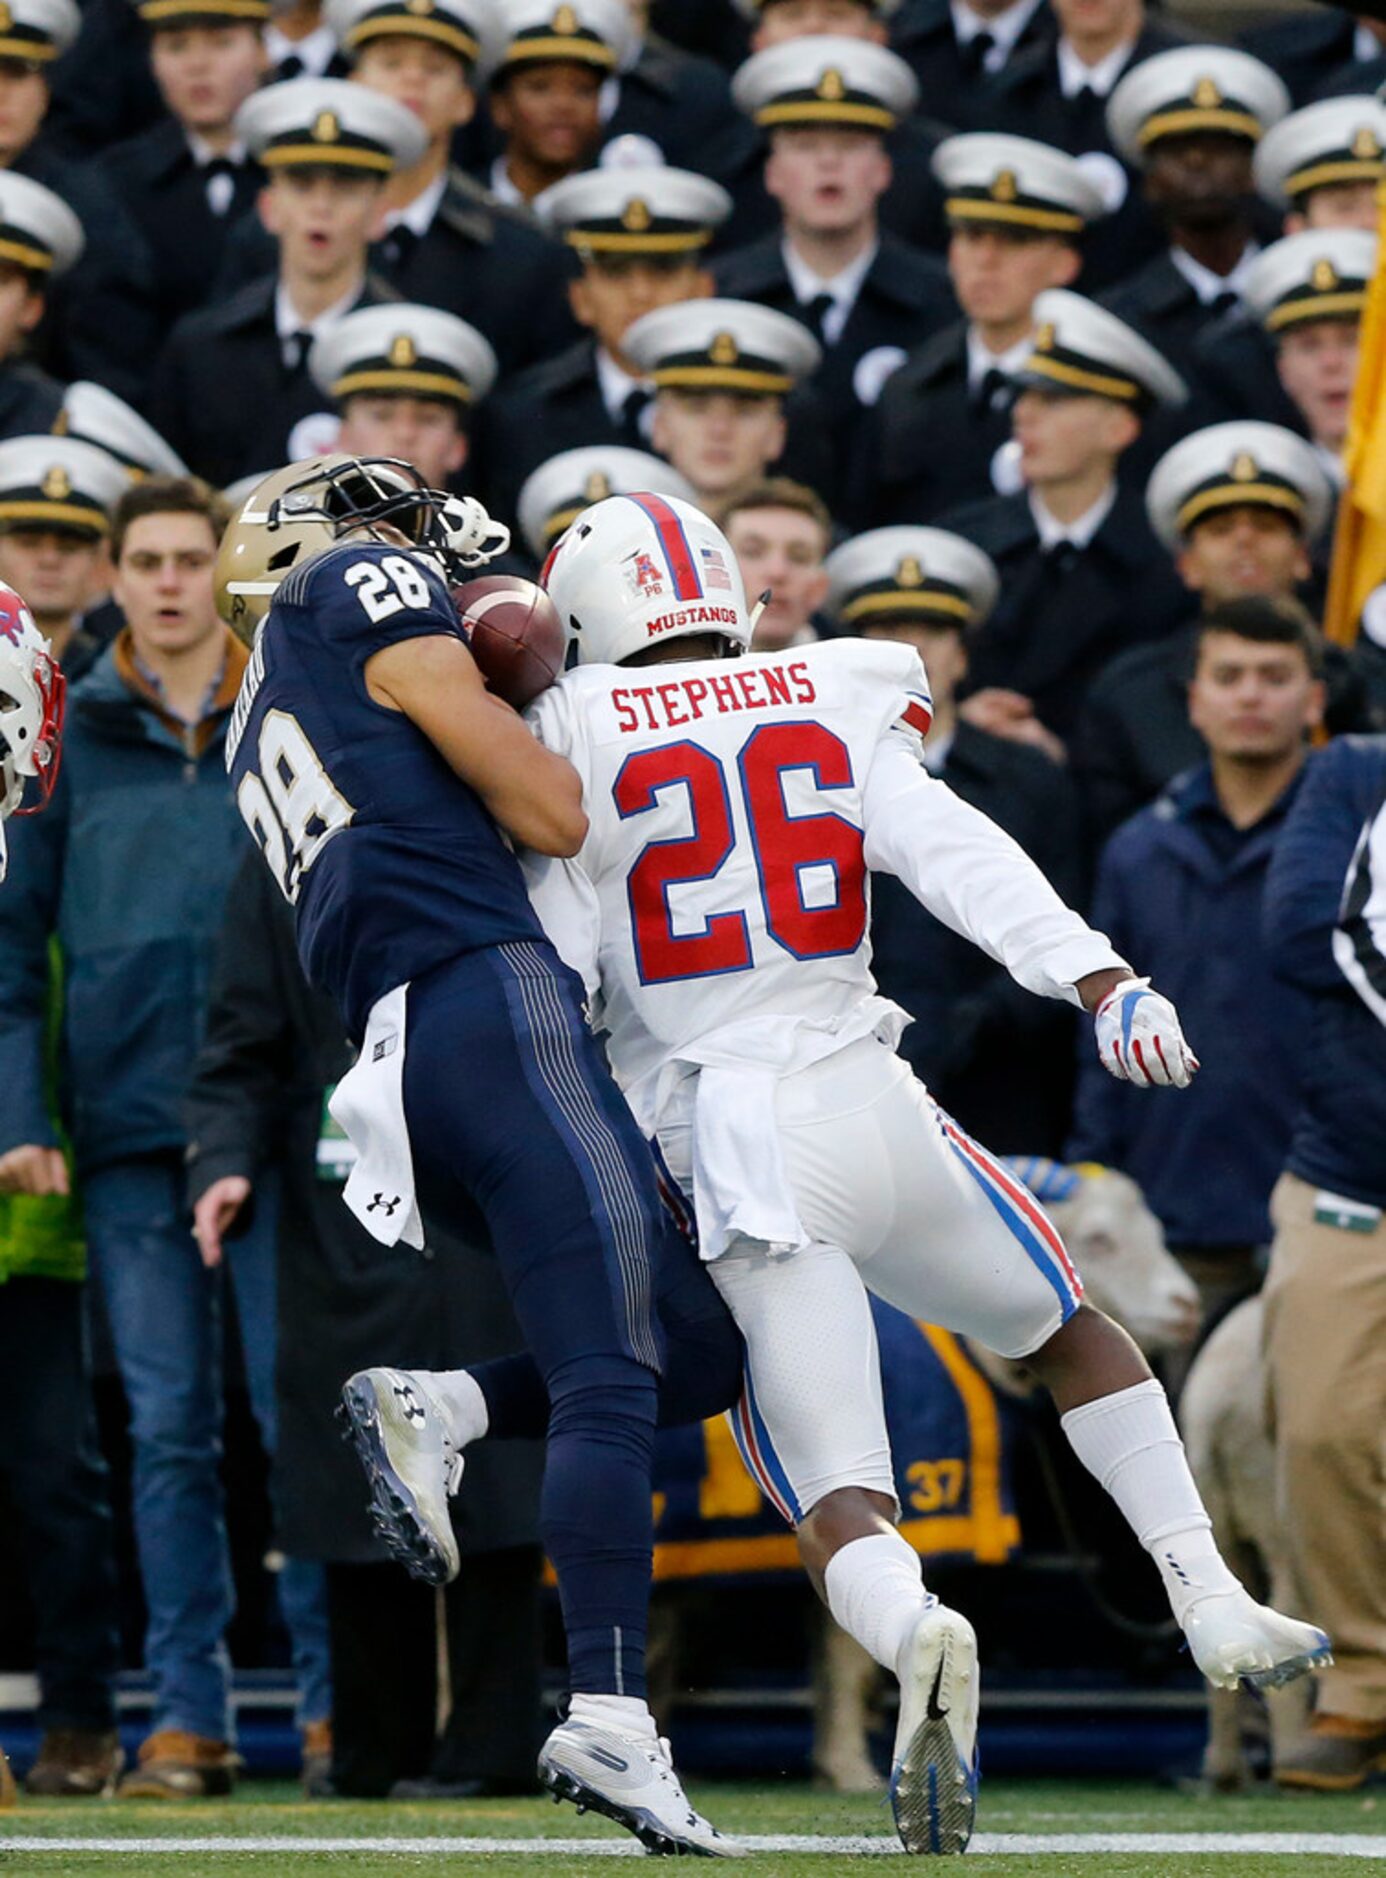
[(514, 633)]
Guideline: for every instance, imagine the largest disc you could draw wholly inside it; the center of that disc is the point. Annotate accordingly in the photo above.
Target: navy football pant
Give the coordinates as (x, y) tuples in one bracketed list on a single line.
[(512, 1113)]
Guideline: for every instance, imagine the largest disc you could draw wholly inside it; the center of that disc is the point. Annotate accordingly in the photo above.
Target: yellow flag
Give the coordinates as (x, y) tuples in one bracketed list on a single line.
[(1359, 543)]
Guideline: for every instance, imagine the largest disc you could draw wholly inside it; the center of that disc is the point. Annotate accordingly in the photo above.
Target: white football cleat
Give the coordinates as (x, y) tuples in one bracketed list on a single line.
[(1234, 1640), (629, 1778), (412, 1465), (933, 1774)]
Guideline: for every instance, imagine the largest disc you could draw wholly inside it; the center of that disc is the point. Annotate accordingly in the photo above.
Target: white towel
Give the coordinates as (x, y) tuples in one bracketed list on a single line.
[(369, 1104), (740, 1187)]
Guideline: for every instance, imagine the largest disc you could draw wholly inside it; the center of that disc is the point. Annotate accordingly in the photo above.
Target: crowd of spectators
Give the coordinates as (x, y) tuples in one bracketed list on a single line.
[(1024, 331)]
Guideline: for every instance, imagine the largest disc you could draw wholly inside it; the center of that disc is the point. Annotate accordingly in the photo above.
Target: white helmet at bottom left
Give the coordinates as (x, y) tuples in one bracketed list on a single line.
[(32, 690), (635, 570)]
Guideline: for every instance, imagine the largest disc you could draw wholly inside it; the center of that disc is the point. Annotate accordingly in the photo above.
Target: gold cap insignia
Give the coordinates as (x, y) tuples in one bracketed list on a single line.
[(723, 350), (1324, 278), (1003, 186), (565, 22), (831, 87), (1044, 337), (1366, 145), (909, 573), (403, 352), (418, 6), (597, 487), (6, 18), (637, 217), (57, 484), (1206, 94), (1245, 468), (325, 129)]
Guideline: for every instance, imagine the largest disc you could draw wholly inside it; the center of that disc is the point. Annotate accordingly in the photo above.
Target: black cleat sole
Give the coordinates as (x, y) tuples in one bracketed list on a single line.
[(393, 1512)]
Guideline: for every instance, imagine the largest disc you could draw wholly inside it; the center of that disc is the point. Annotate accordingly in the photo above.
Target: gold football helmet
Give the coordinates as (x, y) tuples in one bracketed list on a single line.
[(263, 542)]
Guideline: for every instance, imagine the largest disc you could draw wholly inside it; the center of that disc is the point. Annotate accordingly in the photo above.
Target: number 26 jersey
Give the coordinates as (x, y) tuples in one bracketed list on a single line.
[(392, 863), (724, 876)]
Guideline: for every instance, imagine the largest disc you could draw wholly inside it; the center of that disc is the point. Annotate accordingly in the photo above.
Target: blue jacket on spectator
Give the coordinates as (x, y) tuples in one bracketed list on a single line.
[(1339, 1140), (129, 864), (1181, 898)]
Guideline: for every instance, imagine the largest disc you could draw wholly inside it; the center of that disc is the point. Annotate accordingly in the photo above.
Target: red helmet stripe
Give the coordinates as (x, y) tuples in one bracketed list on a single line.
[(683, 567)]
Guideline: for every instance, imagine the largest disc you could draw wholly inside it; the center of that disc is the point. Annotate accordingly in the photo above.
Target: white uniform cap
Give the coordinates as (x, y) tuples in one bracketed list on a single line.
[(826, 78), (38, 231), (994, 178), (415, 350), (91, 414), (752, 9), (722, 345), (559, 490), (467, 27), (37, 31), (650, 210), (1238, 465), (57, 482), (1190, 89), (1319, 274), (892, 575), (1081, 347), (1340, 140), (582, 32), (331, 122)]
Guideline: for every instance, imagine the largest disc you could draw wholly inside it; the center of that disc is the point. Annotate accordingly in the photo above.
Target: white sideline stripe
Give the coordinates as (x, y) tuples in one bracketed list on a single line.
[(1290, 1844)]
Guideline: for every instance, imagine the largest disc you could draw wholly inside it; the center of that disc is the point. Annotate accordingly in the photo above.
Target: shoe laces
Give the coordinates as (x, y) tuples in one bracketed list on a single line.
[(452, 1464)]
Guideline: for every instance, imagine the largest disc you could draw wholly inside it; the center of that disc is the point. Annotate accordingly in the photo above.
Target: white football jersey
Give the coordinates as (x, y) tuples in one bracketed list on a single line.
[(736, 807)]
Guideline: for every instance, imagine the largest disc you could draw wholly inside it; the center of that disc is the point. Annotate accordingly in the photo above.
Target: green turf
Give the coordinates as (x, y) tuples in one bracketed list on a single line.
[(1007, 1806)]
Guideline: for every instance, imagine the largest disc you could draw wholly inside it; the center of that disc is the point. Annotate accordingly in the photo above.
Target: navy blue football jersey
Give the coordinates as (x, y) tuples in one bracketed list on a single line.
[(391, 862)]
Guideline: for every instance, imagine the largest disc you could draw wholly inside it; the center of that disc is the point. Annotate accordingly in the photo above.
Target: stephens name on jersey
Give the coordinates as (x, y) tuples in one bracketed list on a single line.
[(392, 863), (724, 876)]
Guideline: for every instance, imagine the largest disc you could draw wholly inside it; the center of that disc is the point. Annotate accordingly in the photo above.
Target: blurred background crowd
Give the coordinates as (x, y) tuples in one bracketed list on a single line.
[(1025, 331)]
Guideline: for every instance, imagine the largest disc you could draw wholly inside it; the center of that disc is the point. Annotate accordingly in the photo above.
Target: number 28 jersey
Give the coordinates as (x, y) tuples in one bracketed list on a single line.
[(392, 863), (724, 876)]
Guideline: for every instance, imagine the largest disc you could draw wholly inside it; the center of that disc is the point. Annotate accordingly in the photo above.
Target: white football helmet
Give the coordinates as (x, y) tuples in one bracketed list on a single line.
[(32, 692), (636, 569)]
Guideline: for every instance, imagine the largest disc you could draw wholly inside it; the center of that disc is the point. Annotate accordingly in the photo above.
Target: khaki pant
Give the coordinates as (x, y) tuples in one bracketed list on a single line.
[(1325, 1348)]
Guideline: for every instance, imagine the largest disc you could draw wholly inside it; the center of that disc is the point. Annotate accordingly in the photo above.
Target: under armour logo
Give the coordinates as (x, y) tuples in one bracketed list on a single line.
[(386, 1206)]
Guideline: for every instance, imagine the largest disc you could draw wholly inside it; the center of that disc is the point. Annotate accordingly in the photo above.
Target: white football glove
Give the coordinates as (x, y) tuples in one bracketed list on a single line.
[(1139, 1039)]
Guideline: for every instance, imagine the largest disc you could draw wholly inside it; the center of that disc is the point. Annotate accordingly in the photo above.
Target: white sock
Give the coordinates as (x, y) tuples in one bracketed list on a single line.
[(460, 1401), (1129, 1442), (619, 1711), (876, 1592)]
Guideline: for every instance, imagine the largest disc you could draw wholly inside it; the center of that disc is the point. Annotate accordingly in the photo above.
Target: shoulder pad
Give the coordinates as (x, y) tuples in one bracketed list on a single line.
[(889, 678)]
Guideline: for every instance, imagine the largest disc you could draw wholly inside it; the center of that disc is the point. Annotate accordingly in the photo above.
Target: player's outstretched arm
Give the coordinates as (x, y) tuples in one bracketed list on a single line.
[(970, 874), (533, 793)]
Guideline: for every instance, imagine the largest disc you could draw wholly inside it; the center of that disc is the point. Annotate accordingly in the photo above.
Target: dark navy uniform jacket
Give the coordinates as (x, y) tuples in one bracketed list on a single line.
[(1029, 102), (1339, 1138), (158, 179), (1182, 892), (901, 473), (394, 865), (905, 296), (1064, 615), (950, 88), (222, 394)]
